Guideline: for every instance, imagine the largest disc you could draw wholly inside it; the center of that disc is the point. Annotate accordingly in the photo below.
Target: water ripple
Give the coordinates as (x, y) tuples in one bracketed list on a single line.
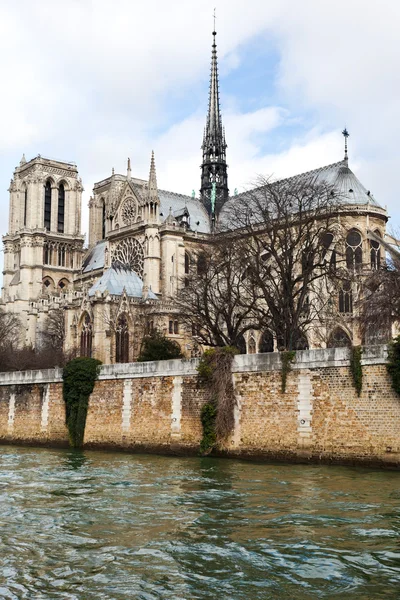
[(105, 526)]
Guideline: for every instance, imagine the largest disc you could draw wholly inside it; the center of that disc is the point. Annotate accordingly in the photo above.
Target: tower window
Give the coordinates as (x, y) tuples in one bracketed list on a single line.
[(375, 251), (353, 250), (47, 205), (61, 209), (86, 337), (346, 299), (25, 205), (61, 256), (103, 221), (122, 341)]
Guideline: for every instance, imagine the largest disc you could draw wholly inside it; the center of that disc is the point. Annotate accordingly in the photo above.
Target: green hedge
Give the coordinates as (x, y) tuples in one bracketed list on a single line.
[(393, 365)]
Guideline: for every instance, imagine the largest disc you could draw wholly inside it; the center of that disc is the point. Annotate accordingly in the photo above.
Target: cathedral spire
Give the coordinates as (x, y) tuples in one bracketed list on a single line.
[(152, 205), (214, 179), (153, 194), (345, 134)]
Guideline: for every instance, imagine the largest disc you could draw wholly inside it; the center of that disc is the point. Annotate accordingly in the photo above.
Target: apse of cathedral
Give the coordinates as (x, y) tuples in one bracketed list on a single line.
[(142, 242)]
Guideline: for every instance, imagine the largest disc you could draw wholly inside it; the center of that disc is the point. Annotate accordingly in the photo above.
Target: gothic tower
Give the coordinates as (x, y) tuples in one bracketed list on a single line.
[(214, 177), (43, 246)]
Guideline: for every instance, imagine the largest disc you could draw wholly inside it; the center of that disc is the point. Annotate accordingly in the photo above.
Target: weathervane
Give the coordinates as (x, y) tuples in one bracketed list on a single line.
[(345, 134)]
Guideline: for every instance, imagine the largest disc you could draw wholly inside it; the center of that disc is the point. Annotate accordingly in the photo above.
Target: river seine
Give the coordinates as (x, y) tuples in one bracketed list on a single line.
[(102, 526)]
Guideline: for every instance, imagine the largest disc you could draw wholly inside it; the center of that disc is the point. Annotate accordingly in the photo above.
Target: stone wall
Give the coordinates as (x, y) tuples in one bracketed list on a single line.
[(156, 407)]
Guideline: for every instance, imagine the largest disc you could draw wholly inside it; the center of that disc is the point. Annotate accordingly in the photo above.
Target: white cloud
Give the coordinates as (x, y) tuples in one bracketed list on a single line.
[(98, 81)]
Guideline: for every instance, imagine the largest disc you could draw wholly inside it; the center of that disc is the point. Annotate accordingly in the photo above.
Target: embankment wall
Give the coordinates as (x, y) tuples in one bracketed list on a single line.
[(156, 407)]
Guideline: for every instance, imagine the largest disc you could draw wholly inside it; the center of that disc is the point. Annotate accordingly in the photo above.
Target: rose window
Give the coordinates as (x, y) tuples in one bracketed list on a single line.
[(129, 254), (129, 211)]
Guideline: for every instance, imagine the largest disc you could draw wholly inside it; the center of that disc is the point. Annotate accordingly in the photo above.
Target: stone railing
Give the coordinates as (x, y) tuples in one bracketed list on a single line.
[(305, 359)]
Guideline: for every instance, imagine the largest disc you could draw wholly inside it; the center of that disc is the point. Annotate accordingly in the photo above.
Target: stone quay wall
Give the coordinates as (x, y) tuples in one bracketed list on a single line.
[(155, 407)]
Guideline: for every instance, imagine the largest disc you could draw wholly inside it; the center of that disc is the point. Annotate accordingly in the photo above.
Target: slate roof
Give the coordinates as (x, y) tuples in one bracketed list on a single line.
[(95, 258), (199, 220), (116, 280), (338, 175)]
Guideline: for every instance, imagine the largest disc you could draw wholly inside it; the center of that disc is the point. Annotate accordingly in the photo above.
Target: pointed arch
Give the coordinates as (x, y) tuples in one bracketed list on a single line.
[(47, 205), (61, 208), (339, 338), (354, 255), (86, 335), (122, 339), (267, 342), (103, 218), (251, 344)]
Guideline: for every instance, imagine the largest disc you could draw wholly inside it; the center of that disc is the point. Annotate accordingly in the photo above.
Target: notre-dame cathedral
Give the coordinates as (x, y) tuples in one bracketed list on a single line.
[(142, 240)]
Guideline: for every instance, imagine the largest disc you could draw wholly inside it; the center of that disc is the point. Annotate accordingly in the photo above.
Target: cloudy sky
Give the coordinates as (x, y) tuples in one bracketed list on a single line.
[(96, 81)]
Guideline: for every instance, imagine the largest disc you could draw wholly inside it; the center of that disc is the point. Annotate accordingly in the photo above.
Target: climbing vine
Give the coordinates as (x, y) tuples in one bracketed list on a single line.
[(356, 368), (217, 416), (79, 376), (393, 365), (287, 359)]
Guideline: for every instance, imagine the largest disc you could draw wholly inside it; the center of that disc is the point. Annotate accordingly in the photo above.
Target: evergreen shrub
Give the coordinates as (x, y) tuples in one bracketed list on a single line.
[(79, 376), (157, 346), (393, 365)]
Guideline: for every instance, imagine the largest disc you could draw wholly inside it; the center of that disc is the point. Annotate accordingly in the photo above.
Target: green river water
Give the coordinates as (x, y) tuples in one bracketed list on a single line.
[(102, 526)]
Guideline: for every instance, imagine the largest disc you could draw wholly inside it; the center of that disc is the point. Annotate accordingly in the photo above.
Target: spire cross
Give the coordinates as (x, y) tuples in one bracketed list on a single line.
[(345, 134)]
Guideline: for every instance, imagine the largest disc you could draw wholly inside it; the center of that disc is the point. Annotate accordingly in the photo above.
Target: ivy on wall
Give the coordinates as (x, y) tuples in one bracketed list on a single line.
[(287, 359), (356, 368), (79, 376), (217, 416), (393, 365)]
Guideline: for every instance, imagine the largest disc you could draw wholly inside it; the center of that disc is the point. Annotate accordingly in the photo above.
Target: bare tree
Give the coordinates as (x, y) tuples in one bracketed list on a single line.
[(291, 232), (53, 333), (215, 303), (10, 330), (380, 301)]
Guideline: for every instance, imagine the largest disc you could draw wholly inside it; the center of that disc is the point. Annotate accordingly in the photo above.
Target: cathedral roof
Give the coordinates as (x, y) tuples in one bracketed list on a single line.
[(115, 280), (95, 259), (349, 189), (199, 220)]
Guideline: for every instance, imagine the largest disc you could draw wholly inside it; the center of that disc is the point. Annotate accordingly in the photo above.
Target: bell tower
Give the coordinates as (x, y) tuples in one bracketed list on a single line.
[(43, 246)]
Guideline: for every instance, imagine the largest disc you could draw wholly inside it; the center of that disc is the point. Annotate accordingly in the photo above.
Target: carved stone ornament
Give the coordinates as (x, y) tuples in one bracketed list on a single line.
[(129, 253), (129, 211)]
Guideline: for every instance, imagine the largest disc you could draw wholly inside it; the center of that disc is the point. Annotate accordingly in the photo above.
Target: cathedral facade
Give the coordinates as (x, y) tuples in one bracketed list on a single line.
[(142, 242)]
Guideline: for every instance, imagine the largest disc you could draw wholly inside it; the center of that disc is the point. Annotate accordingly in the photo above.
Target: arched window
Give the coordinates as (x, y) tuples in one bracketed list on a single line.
[(375, 253), (61, 255), (47, 205), (346, 299), (327, 241), (86, 336), (103, 220), (61, 208), (187, 268), (301, 343), (201, 264), (48, 285), (353, 249), (63, 284), (338, 339), (267, 342), (25, 205), (251, 345), (122, 340), (47, 252)]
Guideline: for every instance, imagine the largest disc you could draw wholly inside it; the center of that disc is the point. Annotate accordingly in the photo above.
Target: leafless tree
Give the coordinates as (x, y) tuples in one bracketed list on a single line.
[(53, 333), (380, 301), (291, 233), (215, 304), (10, 330)]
